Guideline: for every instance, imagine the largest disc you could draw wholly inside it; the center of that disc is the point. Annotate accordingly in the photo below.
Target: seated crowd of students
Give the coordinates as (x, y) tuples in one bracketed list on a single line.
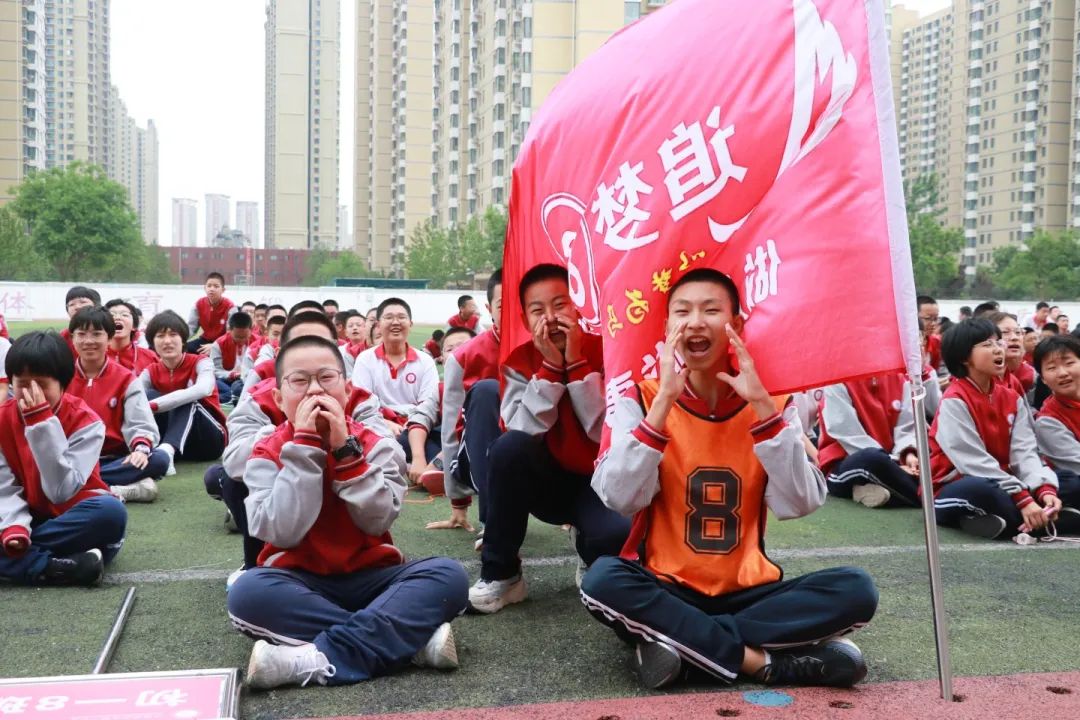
[(334, 415)]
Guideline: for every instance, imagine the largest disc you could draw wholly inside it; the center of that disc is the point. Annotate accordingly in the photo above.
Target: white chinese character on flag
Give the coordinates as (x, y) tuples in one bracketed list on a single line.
[(760, 274), (650, 363), (170, 698), (615, 389), (14, 705), (618, 214), (691, 178)]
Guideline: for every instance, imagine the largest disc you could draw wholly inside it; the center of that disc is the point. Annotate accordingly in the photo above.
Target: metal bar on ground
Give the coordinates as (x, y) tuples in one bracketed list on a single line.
[(114, 633), (933, 558)]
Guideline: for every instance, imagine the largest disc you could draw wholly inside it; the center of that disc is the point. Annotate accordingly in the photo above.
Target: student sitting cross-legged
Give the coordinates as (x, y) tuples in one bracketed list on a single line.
[(1057, 424), (334, 601), (59, 525), (696, 458), (988, 477), (183, 394), (866, 445), (258, 415), (553, 410), (129, 461)]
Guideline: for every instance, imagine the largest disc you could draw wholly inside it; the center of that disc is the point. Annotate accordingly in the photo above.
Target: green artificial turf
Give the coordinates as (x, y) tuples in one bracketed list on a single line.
[(1010, 611)]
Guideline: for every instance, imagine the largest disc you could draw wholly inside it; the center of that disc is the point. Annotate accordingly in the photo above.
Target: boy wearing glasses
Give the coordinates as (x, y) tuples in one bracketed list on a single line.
[(333, 601)]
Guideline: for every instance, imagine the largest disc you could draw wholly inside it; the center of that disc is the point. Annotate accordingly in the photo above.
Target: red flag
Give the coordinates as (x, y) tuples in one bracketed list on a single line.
[(755, 138)]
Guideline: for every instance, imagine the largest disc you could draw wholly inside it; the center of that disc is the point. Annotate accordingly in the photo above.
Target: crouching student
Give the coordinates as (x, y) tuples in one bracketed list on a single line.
[(333, 601), (697, 457), (183, 394), (470, 417), (227, 353), (1057, 425), (130, 464), (988, 478), (59, 525), (866, 447), (553, 410)]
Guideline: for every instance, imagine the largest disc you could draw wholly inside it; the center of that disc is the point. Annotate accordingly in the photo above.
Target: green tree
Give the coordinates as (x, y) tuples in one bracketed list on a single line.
[(21, 261), (343, 265), (935, 249), (1048, 266), (432, 254), (80, 222)]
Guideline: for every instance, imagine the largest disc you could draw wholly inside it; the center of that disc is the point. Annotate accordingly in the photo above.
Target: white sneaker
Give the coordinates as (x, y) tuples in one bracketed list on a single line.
[(440, 652), (479, 544), (271, 666), (172, 468), (144, 491), (230, 523), (582, 566), (171, 452), (871, 495), (491, 596), (233, 577)]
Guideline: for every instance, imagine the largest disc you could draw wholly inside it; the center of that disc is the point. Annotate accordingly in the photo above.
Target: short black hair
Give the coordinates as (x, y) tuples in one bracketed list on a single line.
[(1052, 307), (1063, 315), (306, 305), (1029, 331), (999, 316), (373, 310), (1054, 345), (392, 301), (925, 300), (959, 340), (92, 317), (42, 353), (944, 323), (215, 276), (493, 282), (1050, 328), (166, 320), (276, 320), (315, 317), (343, 317), (990, 306), (246, 303), (262, 306), (965, 310), (715, 277), (240, 321), (307, 341), (136, 313), (276, 306), (456, 331), (462, 300), (1042, 306), (81, 291), (438, 335), (331, 302), (539, 273)]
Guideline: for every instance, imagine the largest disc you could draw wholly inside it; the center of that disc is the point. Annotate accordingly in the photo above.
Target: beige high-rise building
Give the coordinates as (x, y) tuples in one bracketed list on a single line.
[(146, 181), (453, 112), (988, 90), (217, 216), (22, 91), (493, 70), (394, 105), (303, 101), (77, 82), (185, 228), (132, 161)]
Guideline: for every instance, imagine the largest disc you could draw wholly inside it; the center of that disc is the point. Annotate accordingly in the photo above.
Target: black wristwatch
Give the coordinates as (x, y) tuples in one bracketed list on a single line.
[(351, 448)]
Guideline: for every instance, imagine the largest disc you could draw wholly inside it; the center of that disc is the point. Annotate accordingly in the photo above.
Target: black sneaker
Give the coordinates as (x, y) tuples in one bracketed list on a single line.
[(1068, 521), (85, 568), (836, 663), (656, 664), (984, 526)]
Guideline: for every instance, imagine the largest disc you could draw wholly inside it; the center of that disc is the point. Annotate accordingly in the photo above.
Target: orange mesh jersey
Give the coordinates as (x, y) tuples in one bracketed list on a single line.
[(705, 529)]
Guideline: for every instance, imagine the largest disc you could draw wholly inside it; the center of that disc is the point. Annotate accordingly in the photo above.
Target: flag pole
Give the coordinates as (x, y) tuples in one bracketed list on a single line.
[(933, 556)]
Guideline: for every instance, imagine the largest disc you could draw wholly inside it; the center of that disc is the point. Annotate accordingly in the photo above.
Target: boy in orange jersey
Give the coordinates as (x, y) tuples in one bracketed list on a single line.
[(697, 457)]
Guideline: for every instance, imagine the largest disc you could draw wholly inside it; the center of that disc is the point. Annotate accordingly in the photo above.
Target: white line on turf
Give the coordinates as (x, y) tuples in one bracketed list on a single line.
[(855, 551)]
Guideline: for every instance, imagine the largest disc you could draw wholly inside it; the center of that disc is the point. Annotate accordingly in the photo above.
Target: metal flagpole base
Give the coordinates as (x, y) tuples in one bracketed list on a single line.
[(933, 558), (114, 632)]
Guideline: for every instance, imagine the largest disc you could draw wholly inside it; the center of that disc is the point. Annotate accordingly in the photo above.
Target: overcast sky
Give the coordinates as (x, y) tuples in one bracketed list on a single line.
[(198, 69)]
